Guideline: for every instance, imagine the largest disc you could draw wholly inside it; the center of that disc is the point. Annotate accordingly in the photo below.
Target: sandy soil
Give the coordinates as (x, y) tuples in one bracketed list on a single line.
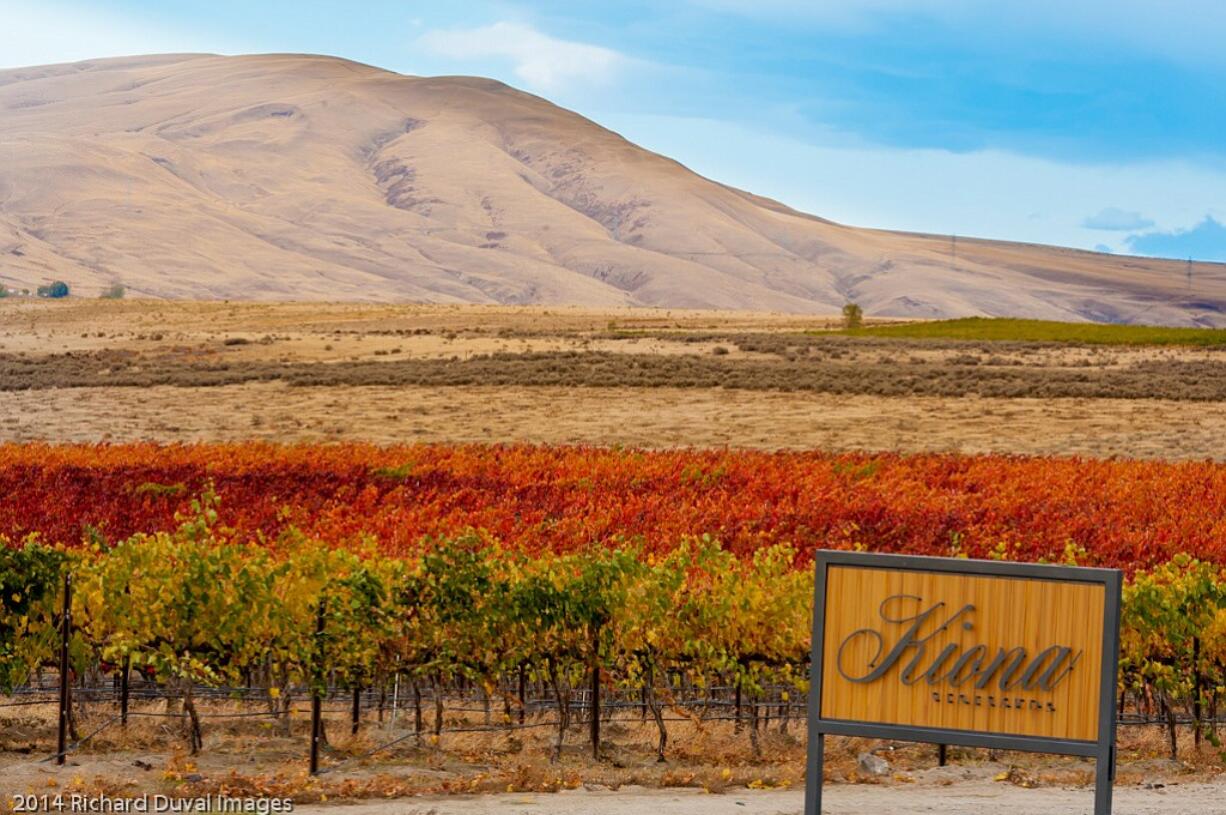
[(968, 798), (659, 417)]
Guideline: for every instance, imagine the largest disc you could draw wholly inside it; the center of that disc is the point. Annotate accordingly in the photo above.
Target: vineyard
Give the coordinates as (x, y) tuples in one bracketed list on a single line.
[(1126, 514), (663, 578)]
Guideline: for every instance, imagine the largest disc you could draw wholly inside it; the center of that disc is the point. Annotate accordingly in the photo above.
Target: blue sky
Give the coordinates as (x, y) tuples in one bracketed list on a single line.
[(1084, 123)]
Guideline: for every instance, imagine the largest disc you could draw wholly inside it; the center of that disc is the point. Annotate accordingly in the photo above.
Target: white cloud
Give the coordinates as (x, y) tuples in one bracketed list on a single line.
[(1204, 241), (541, 61), (43, 33), (1114, 219), (986, 193)]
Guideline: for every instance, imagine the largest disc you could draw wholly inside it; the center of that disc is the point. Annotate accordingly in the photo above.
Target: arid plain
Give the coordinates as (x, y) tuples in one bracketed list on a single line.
[(88, 371)]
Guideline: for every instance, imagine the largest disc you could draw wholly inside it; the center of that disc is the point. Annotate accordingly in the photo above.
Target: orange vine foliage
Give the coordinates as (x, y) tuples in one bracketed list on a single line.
[(1130, 514)]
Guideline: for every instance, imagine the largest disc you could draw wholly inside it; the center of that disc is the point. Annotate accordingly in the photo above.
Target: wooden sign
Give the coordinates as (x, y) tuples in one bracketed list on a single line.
[(977, 653)]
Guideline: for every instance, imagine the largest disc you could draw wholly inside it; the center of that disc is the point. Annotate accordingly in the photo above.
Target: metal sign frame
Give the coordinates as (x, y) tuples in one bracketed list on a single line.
[(1102, 750)]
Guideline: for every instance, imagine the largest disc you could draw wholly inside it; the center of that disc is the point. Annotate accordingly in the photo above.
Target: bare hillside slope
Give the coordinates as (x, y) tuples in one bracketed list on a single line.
[(289, 177)]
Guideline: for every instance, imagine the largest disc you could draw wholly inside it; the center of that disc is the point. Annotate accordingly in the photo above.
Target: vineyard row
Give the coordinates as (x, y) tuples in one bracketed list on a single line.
[(191, 608), (1124, 514)]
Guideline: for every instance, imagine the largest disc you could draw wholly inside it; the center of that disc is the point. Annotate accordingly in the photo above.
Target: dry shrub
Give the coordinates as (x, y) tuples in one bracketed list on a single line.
[(1202, 380)]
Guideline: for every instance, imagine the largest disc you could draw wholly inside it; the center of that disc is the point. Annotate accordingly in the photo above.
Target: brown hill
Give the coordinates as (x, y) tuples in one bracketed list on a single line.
[(309, 178)]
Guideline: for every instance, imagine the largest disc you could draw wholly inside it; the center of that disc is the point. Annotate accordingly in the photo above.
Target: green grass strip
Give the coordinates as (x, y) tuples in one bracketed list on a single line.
[(1002, 329)]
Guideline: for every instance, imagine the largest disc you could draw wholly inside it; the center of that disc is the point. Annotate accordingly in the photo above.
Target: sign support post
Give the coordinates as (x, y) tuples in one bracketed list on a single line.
[(1011, 656)]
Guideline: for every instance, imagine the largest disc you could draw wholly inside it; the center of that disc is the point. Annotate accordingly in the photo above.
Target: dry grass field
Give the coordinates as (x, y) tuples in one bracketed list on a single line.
[(85, 370)]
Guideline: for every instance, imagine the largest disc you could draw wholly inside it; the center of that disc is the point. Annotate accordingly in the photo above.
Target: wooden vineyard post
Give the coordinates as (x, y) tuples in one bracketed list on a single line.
[(595, 707), (418, 724), (316, 722), (595, 711), (65, 699), (395, 695), (123, 691), (736, 727), (357, 708), (523, 702), (942, 755), (125, 669)]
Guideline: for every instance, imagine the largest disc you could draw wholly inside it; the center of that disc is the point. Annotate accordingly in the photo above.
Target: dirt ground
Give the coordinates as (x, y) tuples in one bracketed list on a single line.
[(953, 790), (709, 764), (710, 767), (965, 798)]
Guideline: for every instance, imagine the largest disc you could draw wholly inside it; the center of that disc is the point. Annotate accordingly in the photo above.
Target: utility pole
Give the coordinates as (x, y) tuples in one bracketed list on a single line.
[(953, 253), (1189, 272)]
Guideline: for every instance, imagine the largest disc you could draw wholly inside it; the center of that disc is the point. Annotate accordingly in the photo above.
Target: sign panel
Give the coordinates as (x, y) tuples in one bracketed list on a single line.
[(952, 651), (989, 654)]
